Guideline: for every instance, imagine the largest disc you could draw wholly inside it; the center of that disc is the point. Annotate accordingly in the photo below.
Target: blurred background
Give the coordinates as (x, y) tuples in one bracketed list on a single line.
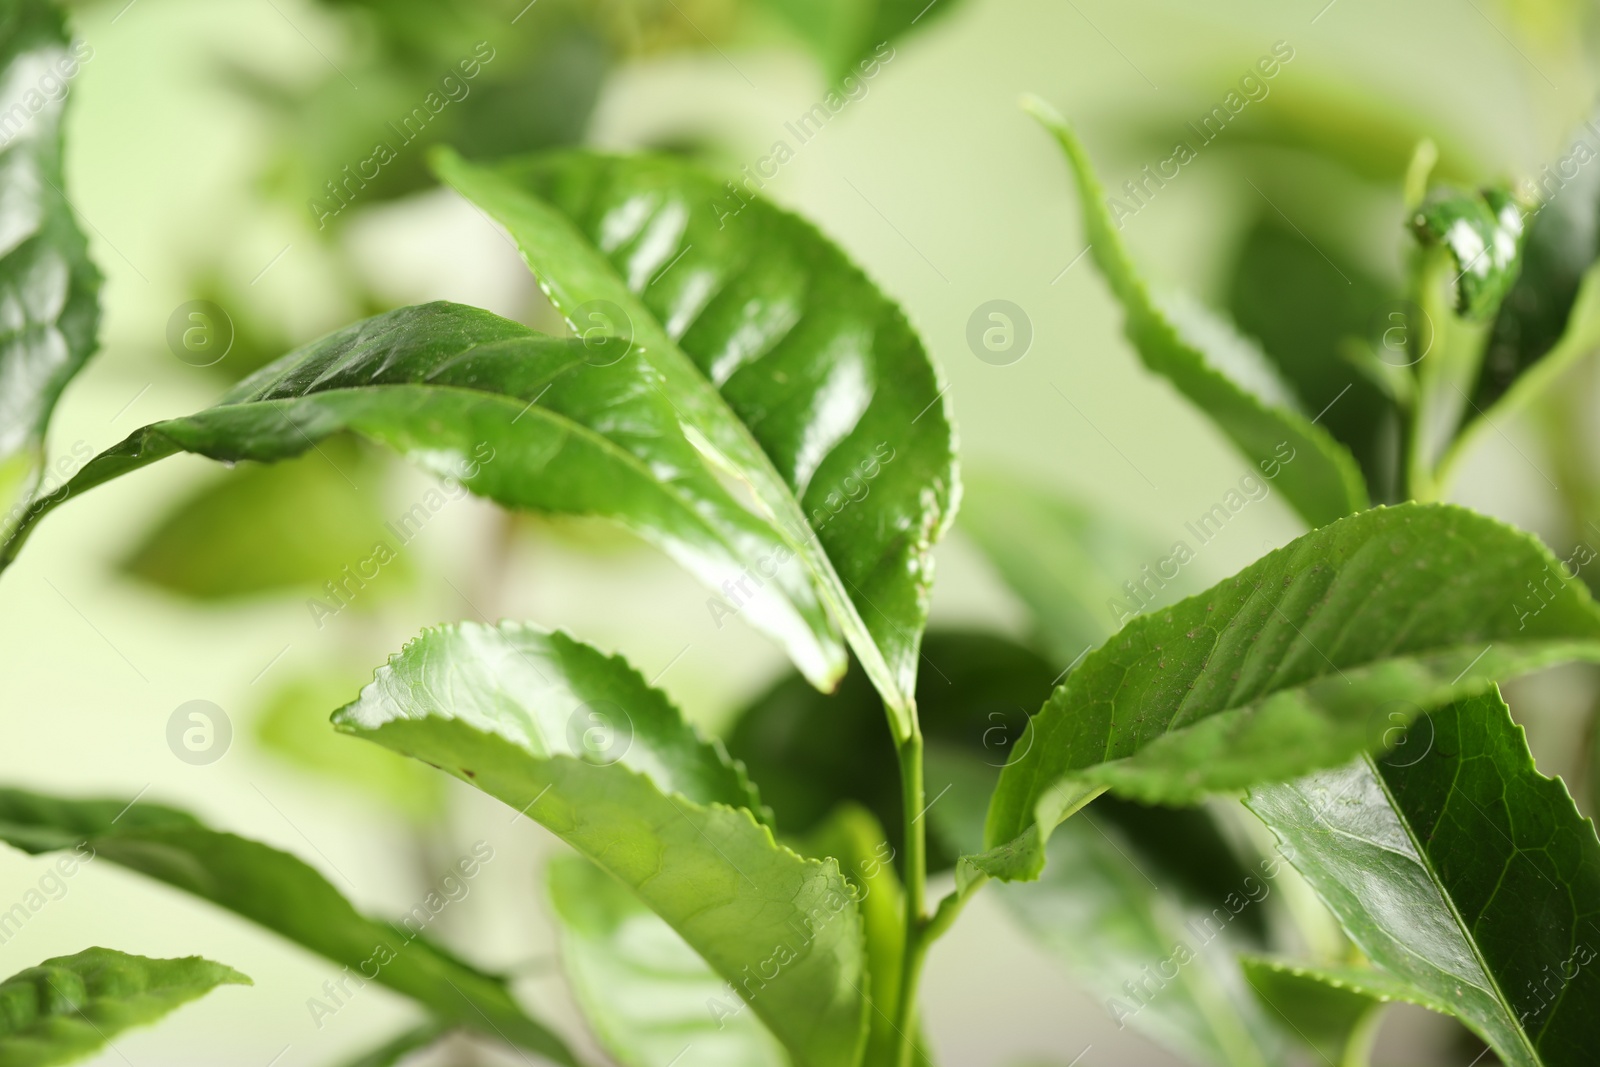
[(201, 141)]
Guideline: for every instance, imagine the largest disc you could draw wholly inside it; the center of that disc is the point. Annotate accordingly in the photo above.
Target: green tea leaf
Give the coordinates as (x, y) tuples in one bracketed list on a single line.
[(525, 420), (1292, 665), (1457, 867), (1483, 233), (576, 741), (1335, 1011), (291, 526), (644, 992), (277, 891), (1212, 366), (799, 377), (71, 1006), (48, 285)]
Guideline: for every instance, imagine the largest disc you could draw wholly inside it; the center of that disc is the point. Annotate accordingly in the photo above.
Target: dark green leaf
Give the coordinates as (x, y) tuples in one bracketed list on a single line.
[(1482, 232), (1335, 1011), (272, 529), (797, 374), (1071, 565), (276, 891), (492, 407), (810, 750), (402, 1045), (577, 741), (1457, 867), (645, 993), (1288, 666), (1302, 306), (71, 1006), (49, 287), (1227, 378)]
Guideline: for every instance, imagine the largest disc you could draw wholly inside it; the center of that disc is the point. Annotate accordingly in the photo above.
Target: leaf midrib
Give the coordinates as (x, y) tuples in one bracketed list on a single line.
[(1425, 862)]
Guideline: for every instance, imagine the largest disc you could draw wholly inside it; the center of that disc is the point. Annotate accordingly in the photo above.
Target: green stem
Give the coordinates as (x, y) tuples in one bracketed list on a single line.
[(916, 875)]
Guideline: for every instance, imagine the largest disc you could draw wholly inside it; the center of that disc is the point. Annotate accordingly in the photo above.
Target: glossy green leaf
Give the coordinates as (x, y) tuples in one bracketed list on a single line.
[(1224, 376), (1304, 302), (796, 374), (811, 750), (493, 408), (277, 891), (289, 526), (576, 741), (852, 37), (393, 1051), (293, 725), (71, 1006), (1456, 866), (1334, 1011), (644, 992), (1483, 234), (49, 287), (1147, 908), (1290, 666), (1070, 564)]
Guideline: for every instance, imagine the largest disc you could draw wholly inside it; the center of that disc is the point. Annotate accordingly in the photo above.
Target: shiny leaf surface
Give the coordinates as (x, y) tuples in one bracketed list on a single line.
[(795, 372), (1334, 1011), (1483, 233), (1292, 665), (48, 286), (1457, 867), (525, 420), (277, 891), (576, 741), (1228, 379), (71, 1006)]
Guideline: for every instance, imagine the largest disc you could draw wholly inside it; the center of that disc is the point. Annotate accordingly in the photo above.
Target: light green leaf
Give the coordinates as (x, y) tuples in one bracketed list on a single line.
[(1335, 1011), (402, 1045), (1457, 867), (71, 1006), (525, 420), (1483, 234), (277, 891), (1230, 381), (292, 526), (293, 725), (645, 993), (576, 741), (49, 287), (796, 374), (1292, 665)]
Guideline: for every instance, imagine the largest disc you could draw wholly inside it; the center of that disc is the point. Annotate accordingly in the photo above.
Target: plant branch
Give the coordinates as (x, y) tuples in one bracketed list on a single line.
[(915, 868)]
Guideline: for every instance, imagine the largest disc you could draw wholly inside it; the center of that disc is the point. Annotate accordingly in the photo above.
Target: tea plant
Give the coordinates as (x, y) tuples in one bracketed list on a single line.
[(739, 395)]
